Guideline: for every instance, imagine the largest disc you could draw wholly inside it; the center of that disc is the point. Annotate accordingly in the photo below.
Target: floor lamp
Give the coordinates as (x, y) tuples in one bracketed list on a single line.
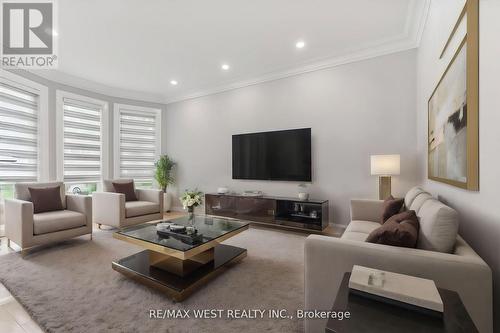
[(384, 166)]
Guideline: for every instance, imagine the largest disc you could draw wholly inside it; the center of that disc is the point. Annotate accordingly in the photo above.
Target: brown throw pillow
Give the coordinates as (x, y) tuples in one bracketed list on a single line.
[(46, 199), (127, 189), (391, 206), (399, 230)]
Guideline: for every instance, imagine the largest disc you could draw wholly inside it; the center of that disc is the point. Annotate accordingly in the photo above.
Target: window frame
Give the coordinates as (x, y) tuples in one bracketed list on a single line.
[(117, 133), (105, 156), (43, 139)]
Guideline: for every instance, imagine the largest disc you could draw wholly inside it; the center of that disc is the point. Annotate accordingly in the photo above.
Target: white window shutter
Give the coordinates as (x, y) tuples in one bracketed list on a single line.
[(138, 137), (18, 134), (82, 128)]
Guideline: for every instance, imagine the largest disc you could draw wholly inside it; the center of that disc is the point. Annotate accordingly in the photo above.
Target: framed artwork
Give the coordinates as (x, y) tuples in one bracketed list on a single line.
[(453, 116)]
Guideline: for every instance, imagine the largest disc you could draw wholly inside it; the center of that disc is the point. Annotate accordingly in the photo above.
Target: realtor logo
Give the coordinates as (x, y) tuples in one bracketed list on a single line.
[(28, 34)]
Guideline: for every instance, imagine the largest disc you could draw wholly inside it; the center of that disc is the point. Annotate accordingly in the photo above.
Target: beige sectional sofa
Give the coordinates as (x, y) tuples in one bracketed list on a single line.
[(441, 255)]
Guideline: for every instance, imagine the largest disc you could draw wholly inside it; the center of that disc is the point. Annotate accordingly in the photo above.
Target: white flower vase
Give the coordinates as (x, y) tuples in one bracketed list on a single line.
[(191, 215), (167, 202), (304, 196)]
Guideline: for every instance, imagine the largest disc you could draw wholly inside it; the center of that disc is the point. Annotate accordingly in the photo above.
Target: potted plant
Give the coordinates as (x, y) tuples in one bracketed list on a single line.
[(164, 177), (191, 199)]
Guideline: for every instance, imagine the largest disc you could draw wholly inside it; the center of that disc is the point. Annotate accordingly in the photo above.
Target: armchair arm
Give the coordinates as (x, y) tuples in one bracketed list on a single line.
[(19, 221), (328, 258), (366, 210), (108, 208), (81, 204), (151, 195)]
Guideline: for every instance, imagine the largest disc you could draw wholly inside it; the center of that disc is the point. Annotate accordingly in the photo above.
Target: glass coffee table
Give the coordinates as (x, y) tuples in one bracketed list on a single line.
[(179, 264)]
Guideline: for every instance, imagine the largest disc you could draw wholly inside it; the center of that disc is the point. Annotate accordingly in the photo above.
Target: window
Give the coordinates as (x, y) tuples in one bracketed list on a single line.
[(137, 143), (81, 141), (22, 111)]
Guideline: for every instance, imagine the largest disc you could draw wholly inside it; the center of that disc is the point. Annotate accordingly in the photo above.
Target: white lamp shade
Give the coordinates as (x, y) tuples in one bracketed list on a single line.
[(385, 165)]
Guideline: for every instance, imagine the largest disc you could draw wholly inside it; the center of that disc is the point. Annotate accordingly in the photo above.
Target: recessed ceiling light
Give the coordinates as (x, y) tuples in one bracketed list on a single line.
[(300, 44), (225, 67), (173, 82)]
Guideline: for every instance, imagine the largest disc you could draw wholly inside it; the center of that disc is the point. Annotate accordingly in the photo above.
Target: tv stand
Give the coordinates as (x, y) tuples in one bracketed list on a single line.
[(304, 215)]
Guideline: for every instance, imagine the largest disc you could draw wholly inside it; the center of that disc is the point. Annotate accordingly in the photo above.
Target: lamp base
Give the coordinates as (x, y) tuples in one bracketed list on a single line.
[(384, 187)]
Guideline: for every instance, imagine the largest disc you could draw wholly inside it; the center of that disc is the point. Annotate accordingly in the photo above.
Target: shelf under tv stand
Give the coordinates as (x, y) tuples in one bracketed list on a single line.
[(281, 212)]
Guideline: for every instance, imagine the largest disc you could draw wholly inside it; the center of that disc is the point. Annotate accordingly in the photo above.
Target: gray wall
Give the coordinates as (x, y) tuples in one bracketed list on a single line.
[(354, 110), (480, 215), (53, 86)]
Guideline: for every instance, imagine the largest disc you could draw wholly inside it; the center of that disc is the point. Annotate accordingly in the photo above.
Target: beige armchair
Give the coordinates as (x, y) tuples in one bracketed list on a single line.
[(110, 208), (28, 230)]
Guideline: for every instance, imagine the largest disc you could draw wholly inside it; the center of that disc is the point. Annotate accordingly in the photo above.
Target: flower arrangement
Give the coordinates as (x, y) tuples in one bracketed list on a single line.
[(191, 199)]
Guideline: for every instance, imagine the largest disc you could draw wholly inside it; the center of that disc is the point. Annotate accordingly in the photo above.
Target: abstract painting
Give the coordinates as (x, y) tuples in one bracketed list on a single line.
[(452, 126), (448, 123)]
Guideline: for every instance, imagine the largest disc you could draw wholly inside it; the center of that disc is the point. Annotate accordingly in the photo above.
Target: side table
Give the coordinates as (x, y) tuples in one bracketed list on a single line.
[(369, 315)]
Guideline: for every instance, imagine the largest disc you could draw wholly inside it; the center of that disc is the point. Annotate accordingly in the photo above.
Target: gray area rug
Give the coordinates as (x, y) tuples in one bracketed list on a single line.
[(70, 287)]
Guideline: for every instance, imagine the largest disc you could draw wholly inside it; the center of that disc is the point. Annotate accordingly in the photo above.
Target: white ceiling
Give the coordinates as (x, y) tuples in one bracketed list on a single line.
[(132, 48)]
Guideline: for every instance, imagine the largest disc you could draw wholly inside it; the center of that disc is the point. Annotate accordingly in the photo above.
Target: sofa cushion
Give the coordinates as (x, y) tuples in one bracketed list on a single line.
[(411, 195), (438, 226), (359, 230), (127, 189), (46, 199), (47, 222), (355, 236), (400, 230), (107, 184), (391, 207), (23, 193), (138, 208), (362, 226), (419, 201)]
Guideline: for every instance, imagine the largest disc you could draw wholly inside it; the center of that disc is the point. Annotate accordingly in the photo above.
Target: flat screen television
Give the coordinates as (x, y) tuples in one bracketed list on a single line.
[(278, 155)]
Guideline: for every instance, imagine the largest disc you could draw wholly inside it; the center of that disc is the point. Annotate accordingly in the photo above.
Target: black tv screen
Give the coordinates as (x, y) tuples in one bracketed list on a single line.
[(278, 155)]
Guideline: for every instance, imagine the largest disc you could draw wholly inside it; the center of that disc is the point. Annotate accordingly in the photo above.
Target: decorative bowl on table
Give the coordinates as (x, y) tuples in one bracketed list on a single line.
[(177, 228), (163, 226)]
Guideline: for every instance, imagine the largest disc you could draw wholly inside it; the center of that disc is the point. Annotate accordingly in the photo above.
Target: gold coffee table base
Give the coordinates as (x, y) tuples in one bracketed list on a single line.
[(178, 266), (166, 266), (178, 278)]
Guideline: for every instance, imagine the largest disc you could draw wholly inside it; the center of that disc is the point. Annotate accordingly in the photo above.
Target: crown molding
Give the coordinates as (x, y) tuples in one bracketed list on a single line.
[(317, 66), (422, 21), (409, 39), (62, 78)]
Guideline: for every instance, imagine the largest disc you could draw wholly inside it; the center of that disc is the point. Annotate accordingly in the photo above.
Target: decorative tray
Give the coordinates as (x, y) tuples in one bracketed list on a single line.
[(406, 291), (183, 236)]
